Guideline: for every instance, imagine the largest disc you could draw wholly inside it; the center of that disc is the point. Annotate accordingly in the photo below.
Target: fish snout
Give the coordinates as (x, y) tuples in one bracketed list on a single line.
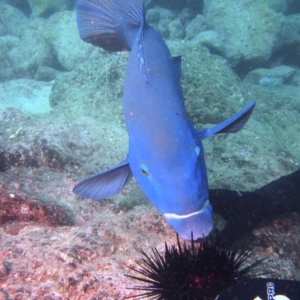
[(199, 222)]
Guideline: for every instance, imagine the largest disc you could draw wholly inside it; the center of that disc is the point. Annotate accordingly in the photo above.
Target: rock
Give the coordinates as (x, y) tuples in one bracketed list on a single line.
[(45, 73), (4, 272), (14, 207), (271, 81), (250, 28), (278, 6), (4, 161), (3, 29), (18, 57), (210, 39), (293, 6), (176, 29), (197, 25), (186, 16), (271, 77), (21, 5), (53, 157), (29, 97), (296, 79), (26, 59), (211, 89), (14, 20), (153, 15), (94, 87), (163, 28), (62, 33), (289, 31), (178, 5), (160, 18), (7, 43), (45, 8)]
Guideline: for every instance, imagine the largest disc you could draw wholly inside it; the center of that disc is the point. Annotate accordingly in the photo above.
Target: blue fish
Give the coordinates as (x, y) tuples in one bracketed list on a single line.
[(165, 152)]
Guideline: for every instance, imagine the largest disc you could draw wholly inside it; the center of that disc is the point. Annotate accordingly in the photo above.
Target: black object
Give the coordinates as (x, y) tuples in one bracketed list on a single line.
[(244, 210), (192, 272), (262, 289), (215, 269)]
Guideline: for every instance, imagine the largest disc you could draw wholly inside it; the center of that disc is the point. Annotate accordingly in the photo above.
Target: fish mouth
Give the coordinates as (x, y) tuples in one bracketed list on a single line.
[(199, 222), (205, 206)]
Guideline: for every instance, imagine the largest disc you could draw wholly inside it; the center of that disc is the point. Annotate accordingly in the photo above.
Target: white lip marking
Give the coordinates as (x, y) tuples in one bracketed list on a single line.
[(175, 216)]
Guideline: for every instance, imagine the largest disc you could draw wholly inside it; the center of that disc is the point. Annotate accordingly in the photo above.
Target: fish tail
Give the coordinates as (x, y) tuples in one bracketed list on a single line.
[(110, 24)]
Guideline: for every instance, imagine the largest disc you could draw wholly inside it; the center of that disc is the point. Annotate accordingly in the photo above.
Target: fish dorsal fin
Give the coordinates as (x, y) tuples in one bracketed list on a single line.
[(105, 184), (231, 125), (110, 24)]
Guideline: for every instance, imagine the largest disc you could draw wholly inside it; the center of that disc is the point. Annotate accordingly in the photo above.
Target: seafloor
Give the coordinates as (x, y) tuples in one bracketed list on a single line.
[(61, 120)]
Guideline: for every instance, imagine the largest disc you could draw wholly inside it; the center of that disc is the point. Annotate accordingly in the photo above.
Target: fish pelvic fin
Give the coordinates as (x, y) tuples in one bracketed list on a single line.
[(110, 24), (105, 184)]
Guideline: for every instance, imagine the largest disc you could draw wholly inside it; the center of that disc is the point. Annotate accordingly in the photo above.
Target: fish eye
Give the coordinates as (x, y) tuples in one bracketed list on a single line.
[(197, 150), (144, 169)]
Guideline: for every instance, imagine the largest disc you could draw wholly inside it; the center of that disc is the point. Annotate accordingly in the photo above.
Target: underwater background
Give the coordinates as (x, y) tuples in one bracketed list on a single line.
[(61, 119)]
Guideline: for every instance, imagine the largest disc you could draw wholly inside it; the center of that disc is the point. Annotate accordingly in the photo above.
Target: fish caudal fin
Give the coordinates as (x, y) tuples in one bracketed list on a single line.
[(110, 24), (105, 184)]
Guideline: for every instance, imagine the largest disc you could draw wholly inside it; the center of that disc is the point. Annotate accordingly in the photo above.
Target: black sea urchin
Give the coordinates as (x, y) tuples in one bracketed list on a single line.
[(190, 272)]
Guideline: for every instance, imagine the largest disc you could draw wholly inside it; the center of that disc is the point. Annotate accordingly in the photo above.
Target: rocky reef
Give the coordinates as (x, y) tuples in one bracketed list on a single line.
[(61, 119)]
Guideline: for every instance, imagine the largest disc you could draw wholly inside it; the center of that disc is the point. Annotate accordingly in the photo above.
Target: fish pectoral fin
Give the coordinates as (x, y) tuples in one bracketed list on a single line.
[(105, 184), (231, 125)]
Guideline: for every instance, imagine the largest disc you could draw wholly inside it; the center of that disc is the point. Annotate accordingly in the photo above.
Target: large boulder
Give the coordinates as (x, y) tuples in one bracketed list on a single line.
[(271, 77), (25, 58), (289, 31), (44, 8), (195, 26), (92, 89), (62, 34), (7, 43), (248, 28), (13, 19)]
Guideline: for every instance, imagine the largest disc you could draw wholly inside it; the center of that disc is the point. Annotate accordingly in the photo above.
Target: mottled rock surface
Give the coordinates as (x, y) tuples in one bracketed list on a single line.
[(44, 8), (62, 34), (69, 124), (14, 207), (15, 20), (248, 29), (284, 72)]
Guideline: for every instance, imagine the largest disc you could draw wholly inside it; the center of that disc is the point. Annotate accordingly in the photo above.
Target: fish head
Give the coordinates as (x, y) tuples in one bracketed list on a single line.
[(177, 185), (190, 195)]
